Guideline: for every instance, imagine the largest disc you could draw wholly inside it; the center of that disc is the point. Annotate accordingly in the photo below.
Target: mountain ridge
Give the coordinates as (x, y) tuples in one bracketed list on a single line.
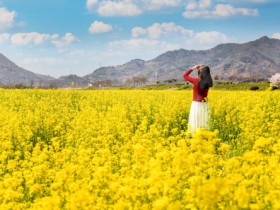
[(254, 60), (10, 73)]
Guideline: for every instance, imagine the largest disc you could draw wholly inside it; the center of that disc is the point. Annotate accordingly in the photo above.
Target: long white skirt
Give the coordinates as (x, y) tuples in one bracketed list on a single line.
[(199, 116)]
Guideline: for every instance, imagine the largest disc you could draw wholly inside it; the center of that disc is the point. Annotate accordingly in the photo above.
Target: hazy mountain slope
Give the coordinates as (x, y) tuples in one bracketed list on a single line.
[(257, 59), (10, 73)]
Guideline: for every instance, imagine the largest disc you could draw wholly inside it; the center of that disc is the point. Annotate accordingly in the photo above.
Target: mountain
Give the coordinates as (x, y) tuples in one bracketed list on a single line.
[(11, 74), (254, 60), (119, 73), (71, 80)]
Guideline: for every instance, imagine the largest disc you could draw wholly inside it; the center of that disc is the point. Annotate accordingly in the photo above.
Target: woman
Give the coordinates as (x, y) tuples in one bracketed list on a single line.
[(199, 112)]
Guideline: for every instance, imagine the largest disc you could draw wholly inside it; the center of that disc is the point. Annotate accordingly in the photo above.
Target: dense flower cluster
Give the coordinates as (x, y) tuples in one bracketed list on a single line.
[(131, 150)]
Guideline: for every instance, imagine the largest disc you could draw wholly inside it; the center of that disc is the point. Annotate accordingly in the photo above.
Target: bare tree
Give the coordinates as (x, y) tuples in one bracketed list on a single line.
[(136, 81)]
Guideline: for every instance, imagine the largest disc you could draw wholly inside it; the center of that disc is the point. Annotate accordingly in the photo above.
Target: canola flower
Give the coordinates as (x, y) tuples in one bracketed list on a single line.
[(130, 149)]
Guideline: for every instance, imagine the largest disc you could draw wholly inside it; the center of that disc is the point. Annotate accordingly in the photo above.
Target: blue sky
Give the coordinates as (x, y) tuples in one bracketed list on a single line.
[(61, 37)]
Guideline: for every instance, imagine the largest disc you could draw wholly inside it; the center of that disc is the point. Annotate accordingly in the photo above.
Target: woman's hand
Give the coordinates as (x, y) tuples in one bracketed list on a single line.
[(196, 67)]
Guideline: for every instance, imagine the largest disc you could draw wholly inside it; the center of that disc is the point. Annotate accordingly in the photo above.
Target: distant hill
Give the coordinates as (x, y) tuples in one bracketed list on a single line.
[(11, 74), (69, 80), (251, 61)]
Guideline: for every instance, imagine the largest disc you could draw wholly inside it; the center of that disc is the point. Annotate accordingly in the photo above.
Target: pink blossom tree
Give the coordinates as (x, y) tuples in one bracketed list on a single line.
[(275, 80)]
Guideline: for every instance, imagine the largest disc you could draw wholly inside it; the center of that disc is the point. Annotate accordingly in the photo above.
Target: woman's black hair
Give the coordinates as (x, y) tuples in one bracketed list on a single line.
[(205, 77)]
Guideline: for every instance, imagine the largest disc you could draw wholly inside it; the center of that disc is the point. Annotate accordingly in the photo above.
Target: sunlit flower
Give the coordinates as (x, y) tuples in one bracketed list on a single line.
[(112, 149)]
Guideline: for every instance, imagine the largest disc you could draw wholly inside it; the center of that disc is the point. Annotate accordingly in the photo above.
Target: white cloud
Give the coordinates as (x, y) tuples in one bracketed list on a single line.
[(191, 5), (157, 30), (202, 4), (91, 4), (138, 31), (149, 40), (118, 8), (99, 27), (134, 47), (4, 37), (37, 38), (169, 36), (31, 38), (68, 39), (276, 36), (220, 11), (256, 1), (129, 7), (158, 4), (246, 1), (210, 37), (224, 10), (194, 14), (6, 18)]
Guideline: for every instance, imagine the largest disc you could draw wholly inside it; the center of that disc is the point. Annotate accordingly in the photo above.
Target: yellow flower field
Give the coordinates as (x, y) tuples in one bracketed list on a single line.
[(130, 149)]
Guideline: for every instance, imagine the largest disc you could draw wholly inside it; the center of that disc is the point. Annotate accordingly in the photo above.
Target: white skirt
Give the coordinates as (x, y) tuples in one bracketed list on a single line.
[(199, 116)]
